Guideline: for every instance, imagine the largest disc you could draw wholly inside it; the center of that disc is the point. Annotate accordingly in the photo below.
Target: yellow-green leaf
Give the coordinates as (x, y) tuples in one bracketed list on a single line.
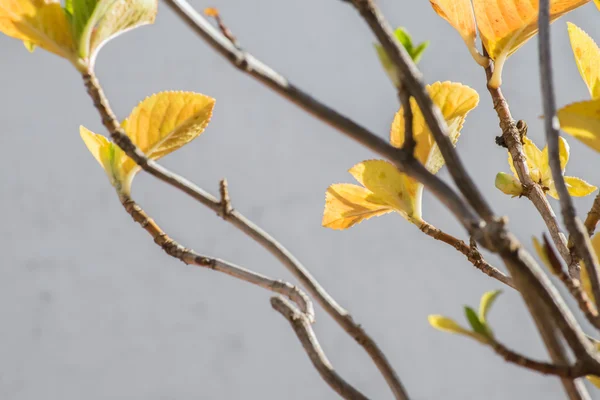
[(582, 121), (485, 304), (346, 205), (111, 18), (578, 187), (459, 14), (160, 124), (106, 153), (506, 25), (40, 23), (587, 57), (397, 190), (446, 324), (508, 184), (454, 100)]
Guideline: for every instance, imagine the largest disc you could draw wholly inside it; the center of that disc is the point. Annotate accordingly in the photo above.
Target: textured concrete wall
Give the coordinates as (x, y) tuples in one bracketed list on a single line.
[(91, 308)]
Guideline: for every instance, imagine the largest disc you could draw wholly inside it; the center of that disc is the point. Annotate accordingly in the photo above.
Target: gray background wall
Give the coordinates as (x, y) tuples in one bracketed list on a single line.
[(91, 308)]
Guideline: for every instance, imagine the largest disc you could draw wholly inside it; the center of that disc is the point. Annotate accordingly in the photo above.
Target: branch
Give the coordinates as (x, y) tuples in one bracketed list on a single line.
[(511, 138), (307, 337), (470, 252), (493, 235), (339, 314), (188, 256), (534, 285), (565, 371), (576, 229)]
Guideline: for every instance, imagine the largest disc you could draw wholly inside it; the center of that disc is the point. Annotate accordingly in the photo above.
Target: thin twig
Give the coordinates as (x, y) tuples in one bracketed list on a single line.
[(565, 371), (313, 349), (572, 285), (575, 227), (471, 252), (337, 312), (188, 256), (511, 137)]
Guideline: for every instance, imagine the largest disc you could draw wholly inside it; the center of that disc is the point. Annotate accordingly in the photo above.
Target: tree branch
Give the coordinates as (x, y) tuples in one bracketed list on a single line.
[(565, 371), (576, 229), (339, 314), (307, 337), (470, 252), (493, 235), (190, 257), (511, 137)]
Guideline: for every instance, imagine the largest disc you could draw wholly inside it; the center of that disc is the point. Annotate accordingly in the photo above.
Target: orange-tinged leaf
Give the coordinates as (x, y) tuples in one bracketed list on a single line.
[(40, 23), (582, 121), (454, 100), (587, 57), (397, 190), (505, 25), (459, 14), (346, 205)]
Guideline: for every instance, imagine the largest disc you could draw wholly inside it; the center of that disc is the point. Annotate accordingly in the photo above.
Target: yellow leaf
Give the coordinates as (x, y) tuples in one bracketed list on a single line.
[(459, 14), (537, 161), (485, 304), (397, 190), (105, 152), (40, 23), (164, 122), (446, 324), (160, 124), (582, 121), (454, 100), (578, 187), (597, 2), (587, 57), (111, 18), (506, 25), (508, 184), (346, 205)]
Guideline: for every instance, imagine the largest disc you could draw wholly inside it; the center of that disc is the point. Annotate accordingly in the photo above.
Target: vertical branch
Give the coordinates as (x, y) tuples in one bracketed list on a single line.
[(575, 227)]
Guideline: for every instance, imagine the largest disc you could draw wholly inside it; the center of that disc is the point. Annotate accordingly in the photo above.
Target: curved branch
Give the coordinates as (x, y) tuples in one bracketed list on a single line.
[(313, 349), (471, 253), (190, 257), (338, 313)]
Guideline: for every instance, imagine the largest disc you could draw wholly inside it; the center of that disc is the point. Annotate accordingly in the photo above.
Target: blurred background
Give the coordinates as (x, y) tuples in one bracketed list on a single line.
[(92, 308)]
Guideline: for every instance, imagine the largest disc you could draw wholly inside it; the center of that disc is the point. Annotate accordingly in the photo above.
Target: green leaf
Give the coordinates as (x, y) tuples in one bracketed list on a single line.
[(81, 12), (418, 51), (406, 41), (487, 300), (476, 324), (404, 38)]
